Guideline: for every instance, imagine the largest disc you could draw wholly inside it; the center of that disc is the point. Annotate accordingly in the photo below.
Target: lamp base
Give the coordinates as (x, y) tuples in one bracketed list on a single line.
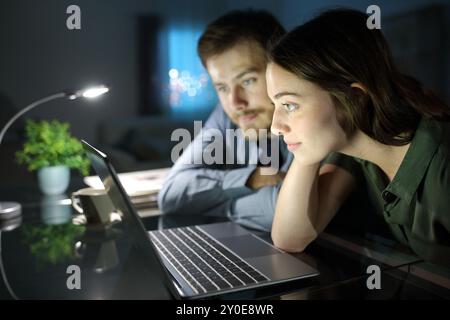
[(10, 210)]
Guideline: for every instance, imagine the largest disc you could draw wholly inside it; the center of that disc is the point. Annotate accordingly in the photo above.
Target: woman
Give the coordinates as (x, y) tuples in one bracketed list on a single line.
[(337, 91)]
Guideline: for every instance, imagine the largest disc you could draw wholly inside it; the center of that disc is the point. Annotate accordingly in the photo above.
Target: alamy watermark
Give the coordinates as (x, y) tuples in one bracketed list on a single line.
[(374, 280), (374, 20), (73, 281), (73, 21), (212, 146)]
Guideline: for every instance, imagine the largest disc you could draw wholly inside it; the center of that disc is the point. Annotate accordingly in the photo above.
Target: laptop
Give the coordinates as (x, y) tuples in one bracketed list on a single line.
[(200, 261)]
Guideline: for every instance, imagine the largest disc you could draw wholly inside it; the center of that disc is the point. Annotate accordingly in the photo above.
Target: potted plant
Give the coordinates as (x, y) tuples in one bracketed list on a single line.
[(52, 152)]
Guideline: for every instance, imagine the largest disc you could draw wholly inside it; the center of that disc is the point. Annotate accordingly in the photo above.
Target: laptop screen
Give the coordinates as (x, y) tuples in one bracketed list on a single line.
[(132, 225)]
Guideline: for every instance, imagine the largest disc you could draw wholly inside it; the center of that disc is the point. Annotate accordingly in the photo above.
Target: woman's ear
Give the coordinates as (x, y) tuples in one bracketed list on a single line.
[(359, 93), (359, 86)]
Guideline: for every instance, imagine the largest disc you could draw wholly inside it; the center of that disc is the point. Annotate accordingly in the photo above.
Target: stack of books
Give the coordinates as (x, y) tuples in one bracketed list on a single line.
[(141, 186)]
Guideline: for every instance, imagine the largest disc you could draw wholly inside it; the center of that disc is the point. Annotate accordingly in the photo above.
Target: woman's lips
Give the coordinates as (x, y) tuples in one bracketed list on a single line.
[(292, 146)]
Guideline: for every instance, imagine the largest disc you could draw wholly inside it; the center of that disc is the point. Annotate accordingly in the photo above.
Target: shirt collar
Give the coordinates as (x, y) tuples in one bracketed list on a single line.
[(423, 147)]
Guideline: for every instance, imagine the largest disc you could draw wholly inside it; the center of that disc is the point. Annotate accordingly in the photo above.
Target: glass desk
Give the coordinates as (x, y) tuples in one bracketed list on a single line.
[(37, 250)]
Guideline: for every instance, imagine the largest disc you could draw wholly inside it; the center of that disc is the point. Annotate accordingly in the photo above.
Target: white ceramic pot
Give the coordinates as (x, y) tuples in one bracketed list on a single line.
[(54, 180)]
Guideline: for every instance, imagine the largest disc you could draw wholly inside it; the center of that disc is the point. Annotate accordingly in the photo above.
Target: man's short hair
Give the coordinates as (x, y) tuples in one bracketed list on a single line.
[(235, 26)]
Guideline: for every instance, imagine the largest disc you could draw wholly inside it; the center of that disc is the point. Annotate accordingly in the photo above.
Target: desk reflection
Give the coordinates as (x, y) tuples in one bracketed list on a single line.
[(37, 249)]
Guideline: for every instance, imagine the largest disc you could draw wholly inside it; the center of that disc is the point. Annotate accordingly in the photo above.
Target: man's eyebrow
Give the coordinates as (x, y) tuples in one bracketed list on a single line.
[(286, 93), (243, 73), (240, 75)]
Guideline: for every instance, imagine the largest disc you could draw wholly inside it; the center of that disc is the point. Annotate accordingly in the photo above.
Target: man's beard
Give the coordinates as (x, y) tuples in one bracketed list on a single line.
[(251, 131)]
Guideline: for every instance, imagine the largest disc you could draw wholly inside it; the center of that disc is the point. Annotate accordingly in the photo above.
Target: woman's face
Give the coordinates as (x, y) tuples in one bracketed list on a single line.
[(304, 115)]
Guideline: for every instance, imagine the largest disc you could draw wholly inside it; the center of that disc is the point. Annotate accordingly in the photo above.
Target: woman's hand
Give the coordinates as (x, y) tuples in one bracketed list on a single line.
[(309, 198)]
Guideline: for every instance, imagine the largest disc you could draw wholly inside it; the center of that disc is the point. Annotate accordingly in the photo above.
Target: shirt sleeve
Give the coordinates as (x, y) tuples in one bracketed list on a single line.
[(195, 186), (256, 210)]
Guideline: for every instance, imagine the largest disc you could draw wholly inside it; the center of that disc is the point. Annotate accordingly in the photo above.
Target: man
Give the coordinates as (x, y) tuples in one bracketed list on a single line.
[(232, 49)]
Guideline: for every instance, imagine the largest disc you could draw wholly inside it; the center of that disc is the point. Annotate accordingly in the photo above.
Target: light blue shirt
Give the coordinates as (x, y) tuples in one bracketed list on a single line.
[(219, 189)]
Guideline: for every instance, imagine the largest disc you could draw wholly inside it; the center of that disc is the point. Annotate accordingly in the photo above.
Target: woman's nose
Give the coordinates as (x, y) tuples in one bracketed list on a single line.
[(279, 126)]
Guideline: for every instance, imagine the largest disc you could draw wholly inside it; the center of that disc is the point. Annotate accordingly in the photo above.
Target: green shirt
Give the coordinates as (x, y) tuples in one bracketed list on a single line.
[(416, 203)]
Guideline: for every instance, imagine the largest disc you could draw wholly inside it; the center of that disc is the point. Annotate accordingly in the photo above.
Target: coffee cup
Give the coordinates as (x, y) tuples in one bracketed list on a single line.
[(95, 204)]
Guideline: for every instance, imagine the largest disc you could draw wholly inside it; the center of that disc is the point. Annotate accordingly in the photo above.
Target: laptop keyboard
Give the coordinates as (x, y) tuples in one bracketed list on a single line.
[(202, 261)]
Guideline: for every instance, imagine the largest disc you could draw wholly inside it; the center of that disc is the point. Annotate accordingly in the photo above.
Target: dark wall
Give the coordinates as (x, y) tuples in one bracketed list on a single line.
[(40, 56)]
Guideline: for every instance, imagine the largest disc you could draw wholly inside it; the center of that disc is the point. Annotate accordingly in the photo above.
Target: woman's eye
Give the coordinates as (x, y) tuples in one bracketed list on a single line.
[(289, 106)]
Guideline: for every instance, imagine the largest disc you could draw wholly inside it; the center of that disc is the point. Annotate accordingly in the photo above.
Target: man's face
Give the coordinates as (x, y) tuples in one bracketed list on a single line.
[(239, 77)]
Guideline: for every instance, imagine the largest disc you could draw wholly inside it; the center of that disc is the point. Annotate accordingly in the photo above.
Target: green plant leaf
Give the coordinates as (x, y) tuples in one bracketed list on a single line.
[(52, 243), (51, 144)]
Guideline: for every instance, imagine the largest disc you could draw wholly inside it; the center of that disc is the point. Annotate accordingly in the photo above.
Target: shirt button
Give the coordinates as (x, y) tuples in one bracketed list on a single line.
[(388, 196)]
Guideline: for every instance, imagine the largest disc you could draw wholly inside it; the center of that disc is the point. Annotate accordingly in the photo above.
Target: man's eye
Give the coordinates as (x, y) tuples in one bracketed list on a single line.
[(289, 106), (222, 89), (248, 82)]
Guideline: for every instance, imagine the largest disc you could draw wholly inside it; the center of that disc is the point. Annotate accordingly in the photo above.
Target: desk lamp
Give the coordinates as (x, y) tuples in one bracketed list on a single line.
[(9, 210)]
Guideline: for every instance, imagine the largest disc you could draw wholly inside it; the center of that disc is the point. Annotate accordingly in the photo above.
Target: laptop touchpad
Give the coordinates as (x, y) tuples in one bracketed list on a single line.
[(248, 246)]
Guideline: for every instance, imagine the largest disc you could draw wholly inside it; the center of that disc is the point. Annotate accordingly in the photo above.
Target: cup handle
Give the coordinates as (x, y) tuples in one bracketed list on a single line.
[(75, 204)]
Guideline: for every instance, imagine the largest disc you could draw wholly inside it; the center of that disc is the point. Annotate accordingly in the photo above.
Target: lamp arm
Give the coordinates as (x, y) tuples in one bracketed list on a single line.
[(2, 134), (28, 108), (3, 272)]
